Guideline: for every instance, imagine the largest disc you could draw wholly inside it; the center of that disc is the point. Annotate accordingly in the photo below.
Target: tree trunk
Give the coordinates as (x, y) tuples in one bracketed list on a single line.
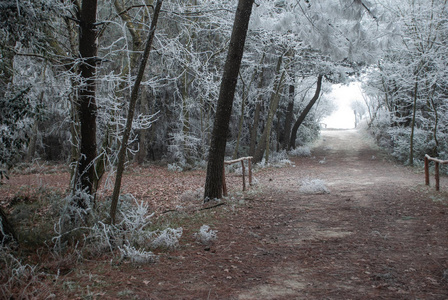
[(130, 117), (254, 129), (288, 118), (213, 181), (142, 134), (292, 141), (32, 144), (34, 130), (241, 121), (411, 146), (263, 143), (246, 90), (6, 66), (87, 103), (137, 47)]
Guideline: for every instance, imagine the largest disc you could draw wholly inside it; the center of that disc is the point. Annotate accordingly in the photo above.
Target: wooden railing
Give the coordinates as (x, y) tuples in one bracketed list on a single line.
[(229, 162), (436, 169)]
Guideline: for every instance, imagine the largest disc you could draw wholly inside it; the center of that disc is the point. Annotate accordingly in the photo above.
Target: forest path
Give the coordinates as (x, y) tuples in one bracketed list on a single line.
[(378, 234)]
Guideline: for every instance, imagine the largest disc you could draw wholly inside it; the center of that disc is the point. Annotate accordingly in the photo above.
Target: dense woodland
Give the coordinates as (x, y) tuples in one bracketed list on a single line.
[(397, 49), (75, 89), (97, 85)]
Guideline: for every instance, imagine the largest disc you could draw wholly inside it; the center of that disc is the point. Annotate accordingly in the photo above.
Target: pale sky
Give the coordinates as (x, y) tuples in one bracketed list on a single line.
[(343, 95)]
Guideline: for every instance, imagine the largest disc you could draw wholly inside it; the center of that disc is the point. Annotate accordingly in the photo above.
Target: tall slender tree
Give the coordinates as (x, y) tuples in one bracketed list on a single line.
[(292, 140), (213, 181), (87, 108), (132, 104)]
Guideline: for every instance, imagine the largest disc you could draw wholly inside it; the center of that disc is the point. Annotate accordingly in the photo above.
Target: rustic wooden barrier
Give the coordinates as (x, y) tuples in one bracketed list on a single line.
[(436, 170), (229, 162)]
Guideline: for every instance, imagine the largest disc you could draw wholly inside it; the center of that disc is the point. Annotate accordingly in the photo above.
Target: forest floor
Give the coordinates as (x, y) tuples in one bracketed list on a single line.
[(379, 233)]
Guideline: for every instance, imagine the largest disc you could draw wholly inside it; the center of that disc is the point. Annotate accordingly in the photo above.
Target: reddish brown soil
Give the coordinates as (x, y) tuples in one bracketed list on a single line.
[(379, 234)]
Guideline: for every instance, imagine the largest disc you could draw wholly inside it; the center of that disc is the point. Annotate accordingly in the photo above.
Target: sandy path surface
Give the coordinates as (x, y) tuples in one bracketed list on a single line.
[(378, 234)]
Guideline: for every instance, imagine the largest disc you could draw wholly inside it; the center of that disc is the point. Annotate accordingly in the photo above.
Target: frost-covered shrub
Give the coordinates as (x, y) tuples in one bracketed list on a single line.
[(73, 218), (276, 159), (185, 149), (423, 143), (308, 132), (313, 186), (168, 238), (134, 220), (137, 256), (280, 157), (302, 151), (130, 228), (200, 164), (206, 235), (175, 167)]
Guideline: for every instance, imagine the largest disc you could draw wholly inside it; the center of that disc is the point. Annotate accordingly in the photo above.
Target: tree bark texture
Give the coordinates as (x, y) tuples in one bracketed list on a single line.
[(130, 117), (87, 105), (288, 118), (254, 129), (414, 111), (213, 181), (292, 141), (263, 142)]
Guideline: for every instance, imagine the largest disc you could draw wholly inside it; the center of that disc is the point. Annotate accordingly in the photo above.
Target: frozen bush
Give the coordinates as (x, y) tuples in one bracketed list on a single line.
[(313, 186), (200, 164), (280, 158), (276, 159), (72, 215), (303, 151), (130, 228), (73, 218), (168, 238), (137, 256), (135, 217), (174, 167), (205, 235)]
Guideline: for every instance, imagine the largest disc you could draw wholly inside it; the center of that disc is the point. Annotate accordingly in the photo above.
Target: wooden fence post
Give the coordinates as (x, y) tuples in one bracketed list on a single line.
[(437, 162), (426, 170), (224, 186), (244, 178), (250, 170), (242, 159), (437, 176)]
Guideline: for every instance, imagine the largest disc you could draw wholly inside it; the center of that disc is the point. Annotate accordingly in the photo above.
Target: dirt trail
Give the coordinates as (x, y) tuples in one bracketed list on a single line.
[(377, 235)]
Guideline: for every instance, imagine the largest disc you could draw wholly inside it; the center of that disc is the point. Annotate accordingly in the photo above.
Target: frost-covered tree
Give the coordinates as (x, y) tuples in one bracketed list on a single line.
[(22, 32), (411, 79)]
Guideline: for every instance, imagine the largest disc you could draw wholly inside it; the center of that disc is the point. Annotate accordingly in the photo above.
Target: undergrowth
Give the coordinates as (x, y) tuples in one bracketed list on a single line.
[(53, 230), (313, 186)]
